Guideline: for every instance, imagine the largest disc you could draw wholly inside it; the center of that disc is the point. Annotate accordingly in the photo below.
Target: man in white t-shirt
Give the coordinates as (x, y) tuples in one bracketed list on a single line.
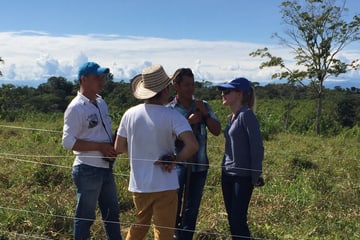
[(147, 133)]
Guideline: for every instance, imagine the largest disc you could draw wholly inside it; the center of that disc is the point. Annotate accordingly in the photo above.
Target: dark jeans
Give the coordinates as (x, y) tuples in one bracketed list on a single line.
[(192, 202), (95, 185), (237, 193)]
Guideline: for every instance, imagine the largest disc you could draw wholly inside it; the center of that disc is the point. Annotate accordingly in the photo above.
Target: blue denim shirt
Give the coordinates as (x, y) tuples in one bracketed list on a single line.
[(201, 159)]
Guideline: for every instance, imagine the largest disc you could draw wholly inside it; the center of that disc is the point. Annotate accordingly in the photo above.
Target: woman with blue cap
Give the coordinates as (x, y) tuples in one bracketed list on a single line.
[(244, 152)]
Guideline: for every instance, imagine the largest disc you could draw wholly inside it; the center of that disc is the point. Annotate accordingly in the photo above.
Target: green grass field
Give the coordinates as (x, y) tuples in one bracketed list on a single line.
[(312, 187)]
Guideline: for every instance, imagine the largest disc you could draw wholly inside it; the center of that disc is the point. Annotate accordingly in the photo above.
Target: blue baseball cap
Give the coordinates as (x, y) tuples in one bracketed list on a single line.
[(240, 84), (91, 68)]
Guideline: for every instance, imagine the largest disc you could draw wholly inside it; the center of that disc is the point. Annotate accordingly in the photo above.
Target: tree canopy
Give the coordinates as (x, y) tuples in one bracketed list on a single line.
[(282, 107), (317, 32)]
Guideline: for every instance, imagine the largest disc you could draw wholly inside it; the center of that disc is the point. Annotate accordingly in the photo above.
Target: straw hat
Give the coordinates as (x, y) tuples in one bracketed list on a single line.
[(151, 81)]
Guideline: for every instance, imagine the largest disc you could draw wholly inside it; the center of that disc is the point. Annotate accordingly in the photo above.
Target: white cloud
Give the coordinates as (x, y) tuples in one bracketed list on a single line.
[(37, 56), (12, 71)]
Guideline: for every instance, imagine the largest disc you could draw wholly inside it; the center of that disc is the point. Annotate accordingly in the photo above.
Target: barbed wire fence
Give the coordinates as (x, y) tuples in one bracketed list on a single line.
[(24, 158)]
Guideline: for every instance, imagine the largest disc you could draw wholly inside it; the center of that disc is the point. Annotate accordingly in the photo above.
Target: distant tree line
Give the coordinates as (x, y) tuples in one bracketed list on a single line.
[(54, 96)]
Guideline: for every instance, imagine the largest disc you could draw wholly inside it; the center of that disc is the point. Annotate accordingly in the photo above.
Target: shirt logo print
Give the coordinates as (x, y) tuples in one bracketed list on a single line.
[(93, 120)]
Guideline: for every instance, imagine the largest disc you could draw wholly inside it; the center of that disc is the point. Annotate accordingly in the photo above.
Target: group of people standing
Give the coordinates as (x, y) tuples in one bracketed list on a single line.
[(166, 143)]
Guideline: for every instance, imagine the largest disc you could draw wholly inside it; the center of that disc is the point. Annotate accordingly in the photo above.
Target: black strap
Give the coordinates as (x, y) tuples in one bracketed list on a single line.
[(111, 161)]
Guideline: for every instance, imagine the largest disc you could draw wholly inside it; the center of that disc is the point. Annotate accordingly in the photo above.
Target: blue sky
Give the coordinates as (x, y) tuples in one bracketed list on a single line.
[(42, 38), (195, 19)]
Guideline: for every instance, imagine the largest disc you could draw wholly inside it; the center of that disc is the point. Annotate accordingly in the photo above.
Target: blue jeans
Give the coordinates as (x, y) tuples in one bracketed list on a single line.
[(192, 202), (237, 193), (95, 185)]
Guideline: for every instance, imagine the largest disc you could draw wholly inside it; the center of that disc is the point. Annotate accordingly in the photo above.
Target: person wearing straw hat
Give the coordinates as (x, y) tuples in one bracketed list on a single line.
[(244, 153), (147, 133), (192, 176), (87, 131)]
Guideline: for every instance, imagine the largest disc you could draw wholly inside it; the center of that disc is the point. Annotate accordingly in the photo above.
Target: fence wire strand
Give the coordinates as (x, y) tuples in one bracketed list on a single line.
[(19, 158)]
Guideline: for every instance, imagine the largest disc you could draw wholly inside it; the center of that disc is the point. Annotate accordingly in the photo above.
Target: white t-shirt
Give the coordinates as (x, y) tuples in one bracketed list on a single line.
[(151, 131)]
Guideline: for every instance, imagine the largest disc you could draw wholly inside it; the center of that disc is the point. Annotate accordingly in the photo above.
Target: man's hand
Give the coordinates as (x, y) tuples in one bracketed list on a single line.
[(108, 151), (260, 182), (200, 106), (195, 118), (166, 162)]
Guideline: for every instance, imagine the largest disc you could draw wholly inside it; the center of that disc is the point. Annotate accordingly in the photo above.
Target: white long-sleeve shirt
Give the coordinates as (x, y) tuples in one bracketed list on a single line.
[(86, 121)]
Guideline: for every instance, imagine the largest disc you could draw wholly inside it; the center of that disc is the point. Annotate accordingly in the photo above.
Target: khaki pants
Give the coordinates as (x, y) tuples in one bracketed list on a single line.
[(162, 207)]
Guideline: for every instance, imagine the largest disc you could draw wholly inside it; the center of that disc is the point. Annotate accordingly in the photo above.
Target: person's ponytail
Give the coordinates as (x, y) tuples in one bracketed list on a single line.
[(249, 99)]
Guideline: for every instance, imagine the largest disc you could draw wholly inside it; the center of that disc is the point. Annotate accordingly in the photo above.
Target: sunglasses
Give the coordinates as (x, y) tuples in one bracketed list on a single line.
[(226, 91)]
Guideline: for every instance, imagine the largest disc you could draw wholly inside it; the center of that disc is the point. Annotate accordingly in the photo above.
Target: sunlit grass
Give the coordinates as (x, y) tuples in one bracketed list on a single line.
[(312, 187)]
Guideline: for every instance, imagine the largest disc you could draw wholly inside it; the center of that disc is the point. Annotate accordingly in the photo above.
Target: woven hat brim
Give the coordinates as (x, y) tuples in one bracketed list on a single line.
[(139, 91)]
